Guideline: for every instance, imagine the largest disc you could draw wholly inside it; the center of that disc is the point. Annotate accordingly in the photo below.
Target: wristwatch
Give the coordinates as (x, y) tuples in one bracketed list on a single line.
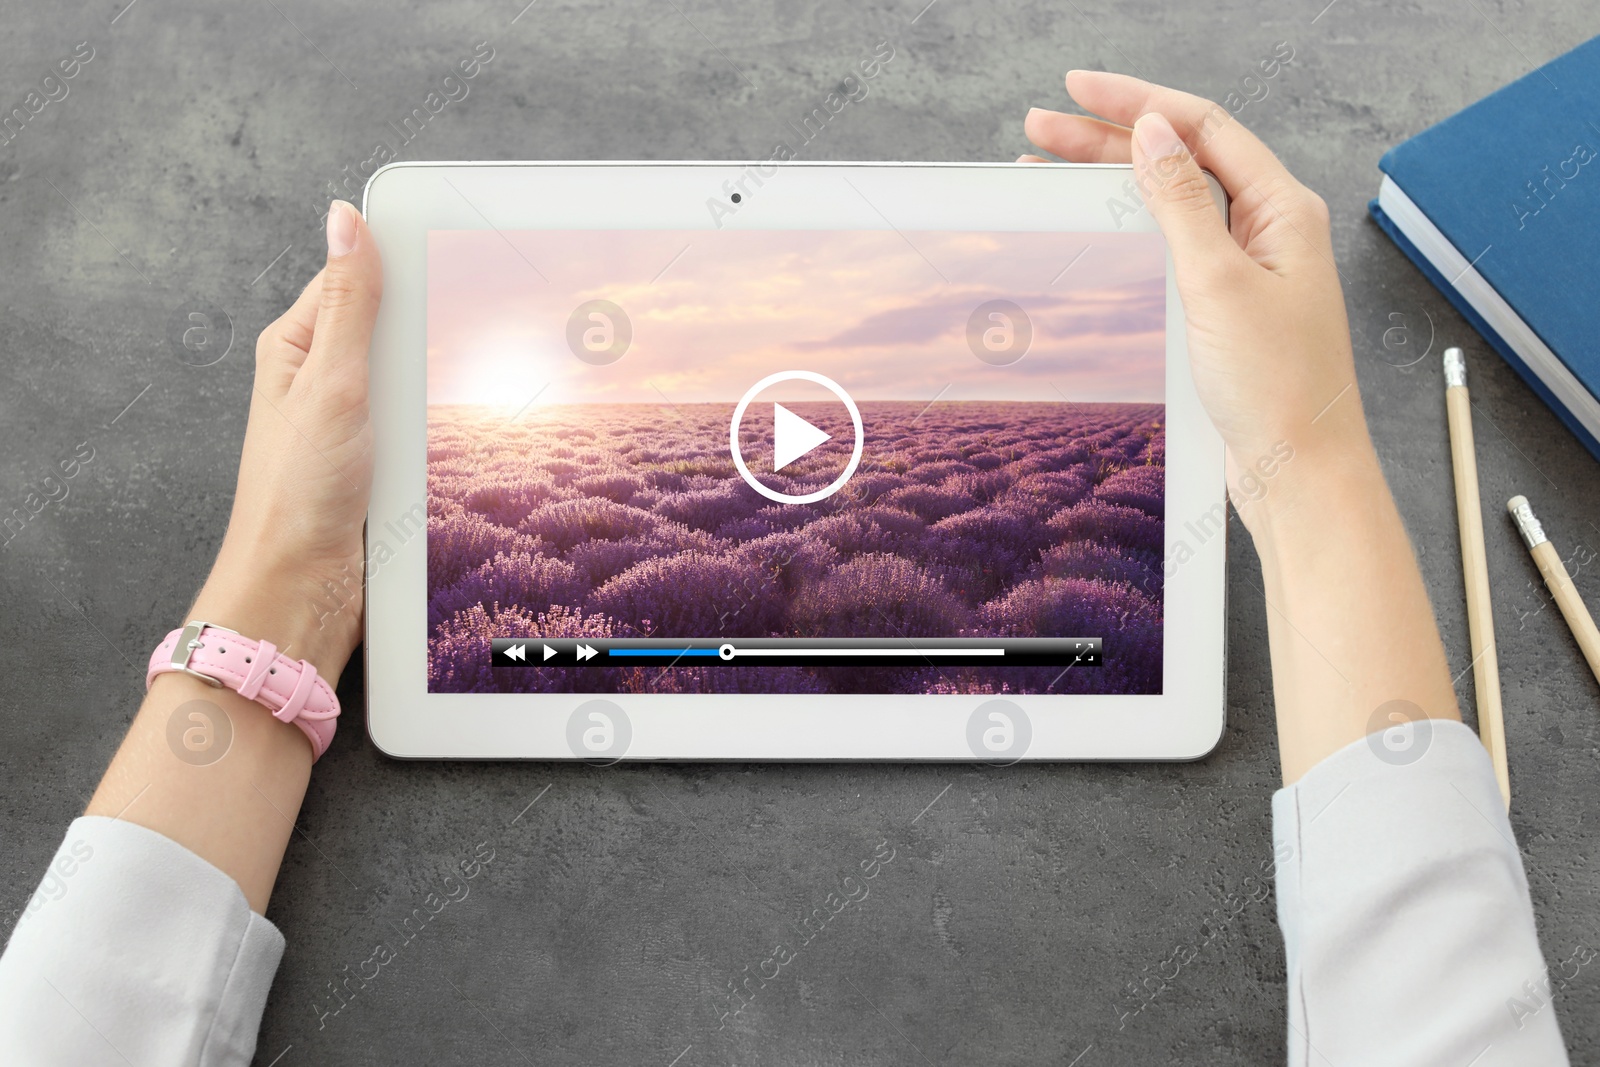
[(257, 671)]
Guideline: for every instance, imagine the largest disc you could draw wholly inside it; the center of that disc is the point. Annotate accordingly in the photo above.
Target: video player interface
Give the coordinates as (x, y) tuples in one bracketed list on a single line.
[(795, 461)]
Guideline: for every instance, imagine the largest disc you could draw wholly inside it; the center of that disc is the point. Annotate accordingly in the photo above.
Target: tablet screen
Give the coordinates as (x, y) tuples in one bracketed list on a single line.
[(795, 461)]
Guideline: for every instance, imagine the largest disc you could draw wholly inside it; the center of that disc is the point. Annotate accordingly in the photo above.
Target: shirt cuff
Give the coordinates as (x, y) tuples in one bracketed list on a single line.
[(1408, 929)]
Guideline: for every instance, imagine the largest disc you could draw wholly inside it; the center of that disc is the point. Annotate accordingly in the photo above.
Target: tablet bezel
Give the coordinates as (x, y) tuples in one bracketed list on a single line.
[(404, 201)]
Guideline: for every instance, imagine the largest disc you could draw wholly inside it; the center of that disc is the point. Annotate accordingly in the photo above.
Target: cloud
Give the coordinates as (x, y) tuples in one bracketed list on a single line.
[(1137, 307)]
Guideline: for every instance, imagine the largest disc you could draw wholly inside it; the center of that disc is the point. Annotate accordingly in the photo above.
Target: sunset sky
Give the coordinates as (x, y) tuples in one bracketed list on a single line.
[(882, 313)]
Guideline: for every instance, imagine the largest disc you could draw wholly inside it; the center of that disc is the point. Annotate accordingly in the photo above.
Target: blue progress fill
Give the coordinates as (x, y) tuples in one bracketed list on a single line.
[(662, 652)]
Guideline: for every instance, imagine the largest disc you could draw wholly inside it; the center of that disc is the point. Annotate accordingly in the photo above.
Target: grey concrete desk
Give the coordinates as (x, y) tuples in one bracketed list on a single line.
[(189, 162)]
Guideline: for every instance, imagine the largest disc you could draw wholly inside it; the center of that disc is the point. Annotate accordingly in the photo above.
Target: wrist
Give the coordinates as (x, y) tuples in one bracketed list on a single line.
[(1324, 488), (280, 607)]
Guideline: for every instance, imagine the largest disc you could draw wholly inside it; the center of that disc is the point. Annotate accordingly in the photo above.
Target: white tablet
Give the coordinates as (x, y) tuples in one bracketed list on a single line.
[(711, 461)]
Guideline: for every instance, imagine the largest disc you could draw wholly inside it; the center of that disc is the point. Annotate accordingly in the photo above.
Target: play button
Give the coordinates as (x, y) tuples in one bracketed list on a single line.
[(793, 437)]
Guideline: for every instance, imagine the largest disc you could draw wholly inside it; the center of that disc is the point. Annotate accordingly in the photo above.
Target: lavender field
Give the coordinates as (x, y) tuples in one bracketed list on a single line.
[(629, 520)]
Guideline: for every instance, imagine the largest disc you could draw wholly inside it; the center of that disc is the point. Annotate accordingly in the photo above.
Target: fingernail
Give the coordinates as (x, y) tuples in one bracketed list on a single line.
[(341, 229), (1157, 138)]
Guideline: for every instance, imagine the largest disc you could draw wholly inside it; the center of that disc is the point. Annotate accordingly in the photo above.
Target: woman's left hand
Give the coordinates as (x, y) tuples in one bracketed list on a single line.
[(290, 567)]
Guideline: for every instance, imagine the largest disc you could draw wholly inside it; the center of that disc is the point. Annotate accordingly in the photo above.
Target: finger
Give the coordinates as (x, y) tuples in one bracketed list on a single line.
[(352, 286), (1218, 141), (1181, 201), (293, 329), (1025, 158), (282, 346), (1078, 138)]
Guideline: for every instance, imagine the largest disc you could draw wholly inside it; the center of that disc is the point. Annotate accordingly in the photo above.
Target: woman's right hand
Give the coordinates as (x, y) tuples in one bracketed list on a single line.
[(1351, 629), (1269, 341)]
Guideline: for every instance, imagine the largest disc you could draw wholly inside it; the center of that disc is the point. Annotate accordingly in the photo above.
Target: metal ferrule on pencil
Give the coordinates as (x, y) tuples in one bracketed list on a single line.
[(1527, 523), (1455, 367)]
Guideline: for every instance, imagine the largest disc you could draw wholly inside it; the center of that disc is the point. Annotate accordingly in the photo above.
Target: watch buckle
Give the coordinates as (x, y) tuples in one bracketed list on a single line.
[(188, 642)]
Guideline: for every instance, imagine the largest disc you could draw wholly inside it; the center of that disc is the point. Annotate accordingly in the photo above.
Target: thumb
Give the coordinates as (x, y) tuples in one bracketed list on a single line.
[(1180, 199), (352, 286)]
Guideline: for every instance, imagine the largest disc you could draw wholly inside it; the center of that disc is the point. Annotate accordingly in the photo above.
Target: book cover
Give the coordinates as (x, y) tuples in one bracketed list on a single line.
[(1513, 182)]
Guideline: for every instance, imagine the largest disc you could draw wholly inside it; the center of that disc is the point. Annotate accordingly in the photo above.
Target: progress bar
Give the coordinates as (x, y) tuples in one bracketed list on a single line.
[(632, 653)]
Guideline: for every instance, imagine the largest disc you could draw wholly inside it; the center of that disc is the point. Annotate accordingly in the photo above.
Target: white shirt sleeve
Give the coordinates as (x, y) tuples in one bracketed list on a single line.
[(134, 950), (1406, 919)]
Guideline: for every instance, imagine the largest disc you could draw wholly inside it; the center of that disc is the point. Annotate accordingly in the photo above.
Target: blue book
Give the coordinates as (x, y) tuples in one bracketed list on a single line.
[(1499, 205)]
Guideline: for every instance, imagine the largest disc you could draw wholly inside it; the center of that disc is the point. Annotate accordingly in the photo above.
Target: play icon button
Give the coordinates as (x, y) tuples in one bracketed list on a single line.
[(793, 437)]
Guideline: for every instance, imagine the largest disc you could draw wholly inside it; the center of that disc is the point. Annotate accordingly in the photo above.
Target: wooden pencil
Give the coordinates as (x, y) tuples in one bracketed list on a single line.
[(1558, 581), (1475, 567)]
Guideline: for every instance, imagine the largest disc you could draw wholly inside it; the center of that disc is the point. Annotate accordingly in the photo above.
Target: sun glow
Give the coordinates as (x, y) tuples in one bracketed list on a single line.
[(501, 374)]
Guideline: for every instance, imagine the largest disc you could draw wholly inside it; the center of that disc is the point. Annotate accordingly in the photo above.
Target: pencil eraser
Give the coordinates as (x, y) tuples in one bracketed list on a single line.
[(1516, 502)]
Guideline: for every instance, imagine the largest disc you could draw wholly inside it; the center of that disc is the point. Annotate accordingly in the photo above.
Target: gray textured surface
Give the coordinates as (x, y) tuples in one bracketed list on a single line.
[(197, 145)]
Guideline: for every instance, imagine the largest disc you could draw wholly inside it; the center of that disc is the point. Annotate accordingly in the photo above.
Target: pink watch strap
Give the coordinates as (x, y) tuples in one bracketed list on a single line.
[(288, 687)]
